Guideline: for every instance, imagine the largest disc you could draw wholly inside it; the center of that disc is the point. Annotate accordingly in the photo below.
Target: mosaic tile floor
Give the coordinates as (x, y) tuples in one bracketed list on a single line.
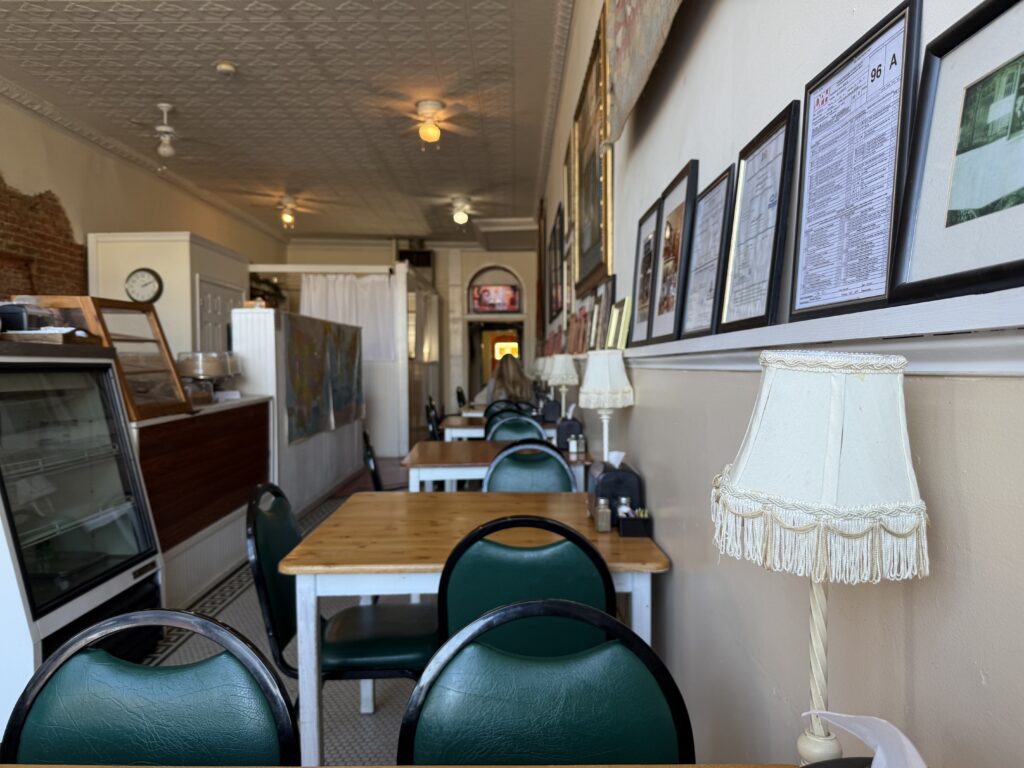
[(349, 737)]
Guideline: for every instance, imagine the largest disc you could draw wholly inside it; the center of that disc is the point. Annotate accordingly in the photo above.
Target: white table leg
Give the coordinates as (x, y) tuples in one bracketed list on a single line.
[(414, 480), (307, 616), (579, 471), (449, 436), (450, 486), (640, 606), (367, 699)]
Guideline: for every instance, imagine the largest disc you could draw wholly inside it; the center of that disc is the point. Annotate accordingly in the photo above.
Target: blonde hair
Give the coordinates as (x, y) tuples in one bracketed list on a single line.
[(511, 381)]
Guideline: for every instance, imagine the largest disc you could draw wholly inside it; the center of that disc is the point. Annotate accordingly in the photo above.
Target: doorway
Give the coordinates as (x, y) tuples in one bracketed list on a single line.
[(488, 342)]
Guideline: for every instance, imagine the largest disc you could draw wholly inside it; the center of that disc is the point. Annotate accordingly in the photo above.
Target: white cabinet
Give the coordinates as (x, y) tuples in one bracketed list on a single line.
[(202, 282)]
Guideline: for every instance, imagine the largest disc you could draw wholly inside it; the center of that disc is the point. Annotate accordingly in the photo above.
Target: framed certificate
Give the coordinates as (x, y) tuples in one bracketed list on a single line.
[(711, 220), (856, 130), (962, 223), (673, 245), (764, 181), (643, 282)]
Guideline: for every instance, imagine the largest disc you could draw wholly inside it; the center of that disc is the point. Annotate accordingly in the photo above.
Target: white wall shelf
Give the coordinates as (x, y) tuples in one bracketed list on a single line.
[(978, 335)]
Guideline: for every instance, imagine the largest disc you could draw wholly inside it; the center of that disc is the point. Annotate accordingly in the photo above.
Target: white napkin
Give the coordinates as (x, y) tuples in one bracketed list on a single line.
[(892, 748), (572, 409), (615, 458)]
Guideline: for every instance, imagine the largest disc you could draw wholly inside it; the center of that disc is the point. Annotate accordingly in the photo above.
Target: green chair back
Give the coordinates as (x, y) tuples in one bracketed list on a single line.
[(499, 416), (615, 703), (271, 532), (529, 466), (508, 405), (86, 707), (515, 428), (481, 575)]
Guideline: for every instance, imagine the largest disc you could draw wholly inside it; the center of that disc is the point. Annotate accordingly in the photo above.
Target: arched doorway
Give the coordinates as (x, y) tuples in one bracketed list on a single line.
[(494, 308)]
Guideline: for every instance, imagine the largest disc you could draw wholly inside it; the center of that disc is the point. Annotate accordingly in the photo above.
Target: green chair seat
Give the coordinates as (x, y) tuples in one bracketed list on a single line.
[(381, 636)]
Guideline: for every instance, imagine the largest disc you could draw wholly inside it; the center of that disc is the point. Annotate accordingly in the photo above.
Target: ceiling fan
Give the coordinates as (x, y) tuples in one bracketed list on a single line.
[(431, 115), (165, 134)]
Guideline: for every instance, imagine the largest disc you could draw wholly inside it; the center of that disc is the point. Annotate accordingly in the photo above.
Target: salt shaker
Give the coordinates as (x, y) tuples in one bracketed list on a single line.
[(573, 445), (624, 508), (603, 515)]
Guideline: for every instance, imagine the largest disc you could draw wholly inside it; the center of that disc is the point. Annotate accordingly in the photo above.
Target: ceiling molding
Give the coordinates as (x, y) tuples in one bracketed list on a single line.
[(507, 234), (30, 101), (559, 49)]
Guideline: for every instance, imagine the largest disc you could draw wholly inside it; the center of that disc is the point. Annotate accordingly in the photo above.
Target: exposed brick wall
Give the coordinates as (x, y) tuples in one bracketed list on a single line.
[(38, 252)]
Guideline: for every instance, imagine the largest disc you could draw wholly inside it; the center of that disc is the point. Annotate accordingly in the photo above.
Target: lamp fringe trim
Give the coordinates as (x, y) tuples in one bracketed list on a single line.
[(850, 545)]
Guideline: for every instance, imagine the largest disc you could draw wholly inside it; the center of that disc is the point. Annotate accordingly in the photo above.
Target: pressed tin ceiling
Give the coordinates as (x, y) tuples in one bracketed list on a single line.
[(319, 106)]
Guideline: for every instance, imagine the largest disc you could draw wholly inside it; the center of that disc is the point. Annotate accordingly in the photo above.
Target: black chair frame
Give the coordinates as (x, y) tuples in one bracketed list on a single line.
[(520, 521), (493, 425), (433, 423), (255, 663), (613, 629), (263, 595), (540, 446), (370, 459), (460, 396)]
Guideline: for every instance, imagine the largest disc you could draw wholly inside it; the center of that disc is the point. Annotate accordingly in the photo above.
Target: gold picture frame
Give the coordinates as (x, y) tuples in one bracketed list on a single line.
[(592, 174)]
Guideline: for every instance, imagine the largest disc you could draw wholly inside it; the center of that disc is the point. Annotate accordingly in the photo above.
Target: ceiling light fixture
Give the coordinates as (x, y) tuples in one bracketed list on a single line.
[(287, 208), (226, 68), (460, 210), (427, 111), (429, 131), (165, 133)]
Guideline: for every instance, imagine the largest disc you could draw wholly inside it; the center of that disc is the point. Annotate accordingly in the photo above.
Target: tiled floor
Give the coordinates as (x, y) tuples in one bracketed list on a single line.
[(349, 737)]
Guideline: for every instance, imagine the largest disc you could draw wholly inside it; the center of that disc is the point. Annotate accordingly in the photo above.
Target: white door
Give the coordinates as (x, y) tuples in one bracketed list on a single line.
[(216, 300)]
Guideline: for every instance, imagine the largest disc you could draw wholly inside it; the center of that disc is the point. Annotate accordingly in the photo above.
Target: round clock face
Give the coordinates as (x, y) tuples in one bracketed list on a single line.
[(144, 285)]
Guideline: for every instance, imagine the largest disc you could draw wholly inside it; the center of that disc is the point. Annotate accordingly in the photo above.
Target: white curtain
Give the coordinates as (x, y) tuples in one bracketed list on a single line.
[(365, 302)]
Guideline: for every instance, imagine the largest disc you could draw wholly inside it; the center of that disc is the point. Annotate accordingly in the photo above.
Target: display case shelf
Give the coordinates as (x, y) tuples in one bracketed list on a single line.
[(55, 528), (19, 468), (123, 325)]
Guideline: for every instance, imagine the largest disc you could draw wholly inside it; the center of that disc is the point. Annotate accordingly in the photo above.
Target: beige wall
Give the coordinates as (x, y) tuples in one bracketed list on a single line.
[(104, 193), (938, 657), (350, 252)]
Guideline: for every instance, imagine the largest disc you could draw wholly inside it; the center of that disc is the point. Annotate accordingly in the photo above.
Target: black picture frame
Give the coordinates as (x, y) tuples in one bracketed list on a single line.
[(688, 176), (727, 177), (993, 277), (556, 260), (909, 12), (785, 121), (639, 280)]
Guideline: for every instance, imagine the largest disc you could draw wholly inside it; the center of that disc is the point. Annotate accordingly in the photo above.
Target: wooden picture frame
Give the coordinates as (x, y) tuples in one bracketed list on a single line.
[(643, 274), (944, 247), (592, 171), (705, 264), (846, 232), (760, 220), (675, 232), (555, 267)]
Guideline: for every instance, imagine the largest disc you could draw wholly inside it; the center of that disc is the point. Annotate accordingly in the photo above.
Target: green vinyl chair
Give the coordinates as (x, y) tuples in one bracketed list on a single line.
[(508, 405), (613, 703), (481, 574), (362, 642), (529, 466), (513, 428), (86, 707)]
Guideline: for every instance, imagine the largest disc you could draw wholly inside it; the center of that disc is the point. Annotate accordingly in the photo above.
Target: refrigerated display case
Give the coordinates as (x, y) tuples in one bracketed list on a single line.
[(79, 535)]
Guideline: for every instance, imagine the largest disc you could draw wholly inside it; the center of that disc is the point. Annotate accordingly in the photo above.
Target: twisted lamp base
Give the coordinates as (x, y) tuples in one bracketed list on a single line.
[(818, 743)]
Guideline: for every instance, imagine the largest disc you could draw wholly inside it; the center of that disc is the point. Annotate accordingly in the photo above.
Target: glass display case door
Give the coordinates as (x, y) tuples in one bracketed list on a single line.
[(73, 501)]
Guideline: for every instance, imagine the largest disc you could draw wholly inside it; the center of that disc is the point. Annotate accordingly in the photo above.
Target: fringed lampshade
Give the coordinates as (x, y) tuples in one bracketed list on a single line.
[(823, 487), (563, 374), (605, 387)]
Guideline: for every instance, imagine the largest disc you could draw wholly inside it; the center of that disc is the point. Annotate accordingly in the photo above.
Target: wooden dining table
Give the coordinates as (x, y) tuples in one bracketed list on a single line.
[(474, 427), (436, 460), (397, 544)]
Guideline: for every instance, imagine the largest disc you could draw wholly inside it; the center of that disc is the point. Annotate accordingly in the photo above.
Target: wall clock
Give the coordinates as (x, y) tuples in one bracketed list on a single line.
[(144, 285)]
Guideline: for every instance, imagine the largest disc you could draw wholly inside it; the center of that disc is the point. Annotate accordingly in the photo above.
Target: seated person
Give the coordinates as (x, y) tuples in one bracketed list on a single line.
[(508, 382)]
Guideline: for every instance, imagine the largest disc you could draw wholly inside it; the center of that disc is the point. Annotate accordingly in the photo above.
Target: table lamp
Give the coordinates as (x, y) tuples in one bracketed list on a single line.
[(563, 373), (823, 487), (545, 375), (605, 387)]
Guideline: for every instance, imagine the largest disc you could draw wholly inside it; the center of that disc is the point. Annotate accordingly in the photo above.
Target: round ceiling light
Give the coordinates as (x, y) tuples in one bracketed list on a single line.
[(429, 131), (460, 217), (226, 68)]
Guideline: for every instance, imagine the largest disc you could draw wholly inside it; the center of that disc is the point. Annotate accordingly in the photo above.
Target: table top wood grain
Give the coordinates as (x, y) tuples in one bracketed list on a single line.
[(415, 532), (466, 453)]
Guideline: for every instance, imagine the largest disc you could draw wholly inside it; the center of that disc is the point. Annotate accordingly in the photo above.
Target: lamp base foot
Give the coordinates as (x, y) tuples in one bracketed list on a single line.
[(813, 749)]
